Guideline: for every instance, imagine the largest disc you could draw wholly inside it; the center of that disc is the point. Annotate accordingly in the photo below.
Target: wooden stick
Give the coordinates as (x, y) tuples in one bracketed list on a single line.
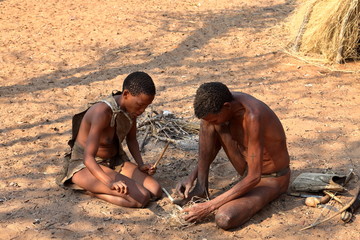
[(162, 154), (332, 195), (171, 199), (165, 139)]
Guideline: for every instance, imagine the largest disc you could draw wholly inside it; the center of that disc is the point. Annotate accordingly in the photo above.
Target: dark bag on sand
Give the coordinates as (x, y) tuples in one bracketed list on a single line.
[(315, 182)]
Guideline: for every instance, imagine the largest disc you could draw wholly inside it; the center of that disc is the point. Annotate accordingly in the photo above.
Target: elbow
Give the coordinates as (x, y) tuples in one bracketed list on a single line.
[(88, 159), (254, 180), (89, 165), (86, 162)]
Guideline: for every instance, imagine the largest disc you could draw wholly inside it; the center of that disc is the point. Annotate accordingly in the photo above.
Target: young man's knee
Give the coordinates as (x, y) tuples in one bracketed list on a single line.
[(157, 192), (140, 201), (145, 199)]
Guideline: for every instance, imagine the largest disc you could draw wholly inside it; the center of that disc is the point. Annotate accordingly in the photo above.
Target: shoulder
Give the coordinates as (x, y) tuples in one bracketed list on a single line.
[(256, 112), (99, 112), (255, 108)]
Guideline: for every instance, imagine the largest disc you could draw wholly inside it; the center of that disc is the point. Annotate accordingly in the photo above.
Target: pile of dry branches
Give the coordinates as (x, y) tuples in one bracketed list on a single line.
[(166, 127), (328, 29)]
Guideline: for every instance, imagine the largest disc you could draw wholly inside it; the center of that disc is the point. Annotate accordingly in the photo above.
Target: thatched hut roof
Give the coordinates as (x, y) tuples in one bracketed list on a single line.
[(329, 29)]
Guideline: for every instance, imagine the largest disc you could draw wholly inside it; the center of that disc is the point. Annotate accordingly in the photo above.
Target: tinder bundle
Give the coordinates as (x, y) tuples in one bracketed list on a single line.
[(329, 29)]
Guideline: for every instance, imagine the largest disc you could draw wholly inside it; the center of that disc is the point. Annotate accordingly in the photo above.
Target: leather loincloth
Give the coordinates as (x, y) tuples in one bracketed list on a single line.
[(76, 163)]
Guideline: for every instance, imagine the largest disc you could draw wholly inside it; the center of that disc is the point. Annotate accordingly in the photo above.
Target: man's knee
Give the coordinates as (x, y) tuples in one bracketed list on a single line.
[(234, 214), (227, 221), (222, 221)]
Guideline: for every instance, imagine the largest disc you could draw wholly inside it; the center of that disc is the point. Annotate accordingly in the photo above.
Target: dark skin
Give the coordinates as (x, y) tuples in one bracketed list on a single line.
[(133, 186), (251, 135)]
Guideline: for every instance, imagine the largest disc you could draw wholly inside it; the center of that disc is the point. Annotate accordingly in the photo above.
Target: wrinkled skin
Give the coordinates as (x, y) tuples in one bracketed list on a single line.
[(253, 138)]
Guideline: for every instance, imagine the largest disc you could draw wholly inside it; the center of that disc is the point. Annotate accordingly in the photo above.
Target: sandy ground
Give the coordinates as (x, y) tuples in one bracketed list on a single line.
[(56, 56)]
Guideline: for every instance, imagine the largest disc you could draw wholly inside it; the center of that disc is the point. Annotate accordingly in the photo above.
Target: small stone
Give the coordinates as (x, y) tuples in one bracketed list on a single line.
[(36, 221)]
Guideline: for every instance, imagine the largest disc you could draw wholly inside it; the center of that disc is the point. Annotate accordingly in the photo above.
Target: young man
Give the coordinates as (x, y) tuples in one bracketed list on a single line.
[(98, 163), (253, 139)]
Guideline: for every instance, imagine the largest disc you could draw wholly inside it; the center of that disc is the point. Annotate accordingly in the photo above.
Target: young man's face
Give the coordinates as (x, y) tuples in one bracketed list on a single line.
[(220, 117), (136, 105)]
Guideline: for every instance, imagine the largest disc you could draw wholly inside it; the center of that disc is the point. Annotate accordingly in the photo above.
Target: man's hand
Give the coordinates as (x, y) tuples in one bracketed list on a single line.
[(119, 186), (148, 169), (197, 212), (183, 187)]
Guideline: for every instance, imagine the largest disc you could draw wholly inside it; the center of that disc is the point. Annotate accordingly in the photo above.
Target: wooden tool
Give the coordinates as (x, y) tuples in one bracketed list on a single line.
[(332, 196), (171, 199), (162, 154)]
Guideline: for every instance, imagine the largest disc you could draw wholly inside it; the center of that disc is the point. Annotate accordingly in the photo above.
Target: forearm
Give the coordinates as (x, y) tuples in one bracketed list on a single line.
[(97, 171), (254, 160), (134, 149), (238, 190)]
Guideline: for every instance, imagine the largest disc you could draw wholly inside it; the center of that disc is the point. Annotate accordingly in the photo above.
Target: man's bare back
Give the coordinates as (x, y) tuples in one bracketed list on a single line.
[(254, 140)]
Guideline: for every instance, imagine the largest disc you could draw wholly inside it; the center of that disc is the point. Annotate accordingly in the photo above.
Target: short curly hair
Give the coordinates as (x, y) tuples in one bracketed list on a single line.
[(139, 82), (210, 98)]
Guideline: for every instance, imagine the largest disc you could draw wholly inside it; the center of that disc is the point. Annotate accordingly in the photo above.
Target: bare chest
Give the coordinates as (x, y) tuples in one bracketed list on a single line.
[(241, 136), (107, 136), (238, 133)]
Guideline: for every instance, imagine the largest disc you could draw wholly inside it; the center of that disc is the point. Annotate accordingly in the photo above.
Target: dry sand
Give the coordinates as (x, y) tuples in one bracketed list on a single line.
[(56, 56)]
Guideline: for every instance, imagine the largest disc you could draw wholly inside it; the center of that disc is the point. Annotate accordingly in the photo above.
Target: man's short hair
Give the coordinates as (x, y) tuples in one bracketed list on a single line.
[(139, 82), (210, 98)]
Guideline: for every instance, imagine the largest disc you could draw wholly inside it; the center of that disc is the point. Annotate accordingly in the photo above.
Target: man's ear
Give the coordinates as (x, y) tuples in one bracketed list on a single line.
[(125, 93), (227, 105)]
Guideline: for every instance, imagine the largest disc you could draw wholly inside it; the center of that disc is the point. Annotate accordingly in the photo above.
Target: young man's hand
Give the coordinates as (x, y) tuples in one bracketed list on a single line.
[(148, 169), (119, 186)]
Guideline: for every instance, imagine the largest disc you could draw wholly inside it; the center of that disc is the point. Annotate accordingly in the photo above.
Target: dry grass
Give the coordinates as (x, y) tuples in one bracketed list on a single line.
[(326, 29), (176, 217)]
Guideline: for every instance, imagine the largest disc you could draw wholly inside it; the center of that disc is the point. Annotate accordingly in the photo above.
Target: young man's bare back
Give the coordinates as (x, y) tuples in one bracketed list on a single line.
[(98, 164), (253, 139)]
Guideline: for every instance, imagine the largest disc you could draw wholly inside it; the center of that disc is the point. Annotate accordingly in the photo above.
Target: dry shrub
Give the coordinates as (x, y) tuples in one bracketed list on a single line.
[(167, 127), (329, 29)]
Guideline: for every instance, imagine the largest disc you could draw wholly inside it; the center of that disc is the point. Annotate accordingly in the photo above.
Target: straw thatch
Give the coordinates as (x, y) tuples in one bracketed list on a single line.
[(329, 29)]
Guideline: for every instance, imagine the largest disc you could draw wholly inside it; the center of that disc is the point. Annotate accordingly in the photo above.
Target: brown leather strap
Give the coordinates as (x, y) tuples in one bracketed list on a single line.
[(280, 173)]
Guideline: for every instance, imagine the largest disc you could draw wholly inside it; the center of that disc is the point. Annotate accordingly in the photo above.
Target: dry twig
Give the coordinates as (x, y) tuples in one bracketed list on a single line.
[(162, 154), (167, 128)]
